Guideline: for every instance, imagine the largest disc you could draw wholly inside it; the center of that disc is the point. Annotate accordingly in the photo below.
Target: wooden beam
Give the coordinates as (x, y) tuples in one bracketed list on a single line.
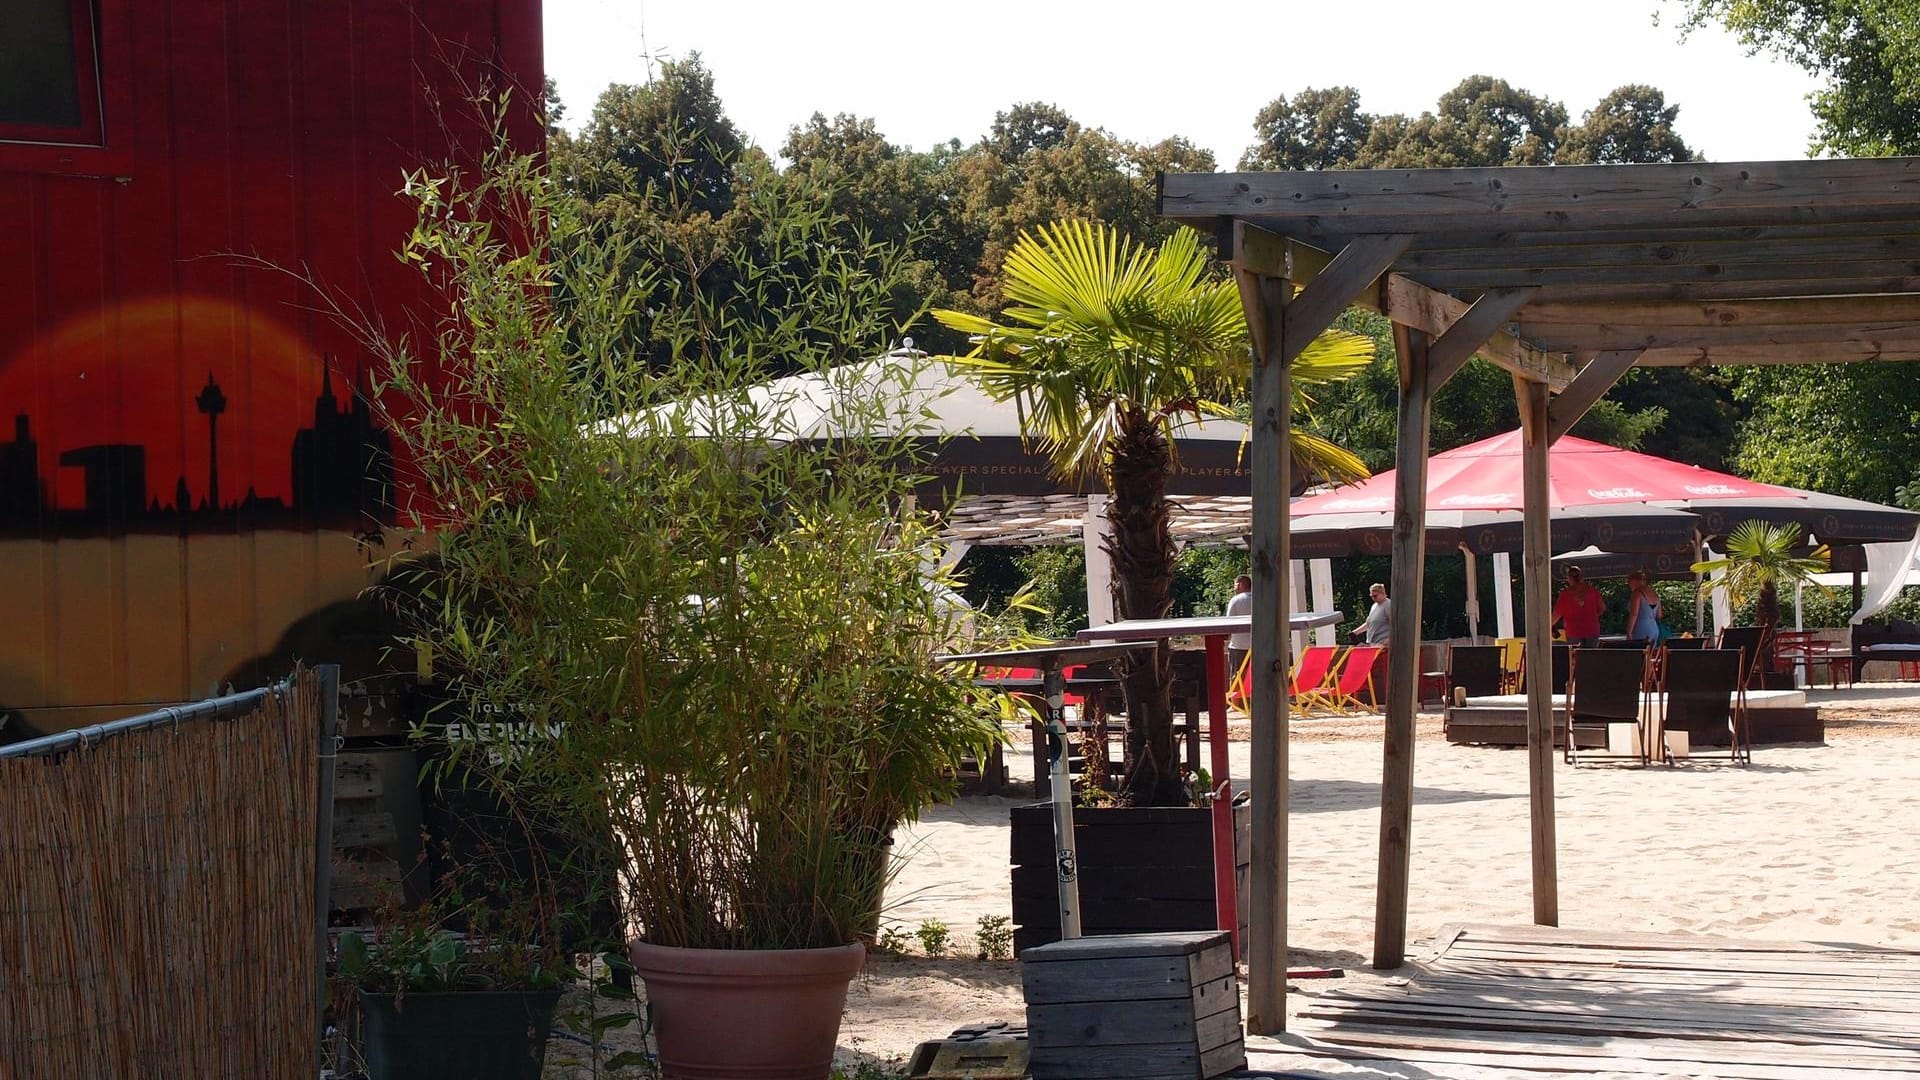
[(1556, 198), (1807, 274), (1538, 583), (1338, 284), (1578, 292), (1608, 337), (1483, 319), (1823, 353), (1268, 457), (1790, 311), (1592, 384), (1399, 298), (1402, 296), (1716, 249), (1403, 649), (1443, 238)]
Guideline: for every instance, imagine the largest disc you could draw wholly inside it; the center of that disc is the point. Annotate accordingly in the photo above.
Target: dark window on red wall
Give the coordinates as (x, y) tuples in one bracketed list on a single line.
[(49, 78)]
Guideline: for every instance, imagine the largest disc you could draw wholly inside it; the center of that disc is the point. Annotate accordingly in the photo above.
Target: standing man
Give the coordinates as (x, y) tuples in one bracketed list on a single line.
[(1577, 609), (1378, 627), (1238, 645)]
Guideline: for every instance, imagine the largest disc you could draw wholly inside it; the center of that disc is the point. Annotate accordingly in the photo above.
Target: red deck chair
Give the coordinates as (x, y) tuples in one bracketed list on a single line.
[(1312, 673), (1341, 693)]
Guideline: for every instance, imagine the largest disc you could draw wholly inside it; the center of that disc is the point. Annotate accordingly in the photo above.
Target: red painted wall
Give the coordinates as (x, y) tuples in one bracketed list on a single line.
[(278, 129)]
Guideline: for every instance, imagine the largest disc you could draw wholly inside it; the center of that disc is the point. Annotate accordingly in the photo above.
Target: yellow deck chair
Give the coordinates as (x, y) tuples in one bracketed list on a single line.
[(1513, 658)]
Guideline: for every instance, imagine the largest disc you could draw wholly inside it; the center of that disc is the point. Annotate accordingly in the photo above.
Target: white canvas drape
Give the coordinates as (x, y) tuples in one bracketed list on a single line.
[(1887, 566)]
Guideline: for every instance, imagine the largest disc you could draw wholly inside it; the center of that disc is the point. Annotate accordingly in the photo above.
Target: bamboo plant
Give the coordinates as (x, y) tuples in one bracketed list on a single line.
[(721, 629)]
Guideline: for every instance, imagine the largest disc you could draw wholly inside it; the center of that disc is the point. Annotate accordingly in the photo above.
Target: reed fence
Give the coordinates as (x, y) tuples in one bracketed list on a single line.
[(158, 878)]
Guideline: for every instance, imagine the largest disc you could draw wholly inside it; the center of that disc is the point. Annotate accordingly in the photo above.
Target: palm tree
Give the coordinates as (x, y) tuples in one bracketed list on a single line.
[(1760, 558), (1106, 346)]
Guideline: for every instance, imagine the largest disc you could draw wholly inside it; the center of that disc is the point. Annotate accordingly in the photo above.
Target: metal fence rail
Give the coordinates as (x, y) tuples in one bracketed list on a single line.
[(161, 890)]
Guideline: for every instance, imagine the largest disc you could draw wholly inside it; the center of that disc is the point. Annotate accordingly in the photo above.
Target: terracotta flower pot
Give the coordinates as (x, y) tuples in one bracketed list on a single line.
[(746, 1014)]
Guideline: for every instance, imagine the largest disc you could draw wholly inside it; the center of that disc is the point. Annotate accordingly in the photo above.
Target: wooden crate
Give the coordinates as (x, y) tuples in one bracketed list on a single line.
[(1141, 870), (1133, 1006)]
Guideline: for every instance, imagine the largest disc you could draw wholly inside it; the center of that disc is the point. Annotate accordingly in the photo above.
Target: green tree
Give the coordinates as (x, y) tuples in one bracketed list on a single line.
[(671, 131), (1633, 123), (1315, 129), (1849, 429), (887, 194), (1482, 121), (1105, 345), (1868, 51), (1038, 166)]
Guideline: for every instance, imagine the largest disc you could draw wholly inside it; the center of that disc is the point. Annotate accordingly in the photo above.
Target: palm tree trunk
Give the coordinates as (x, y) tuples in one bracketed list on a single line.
[(1140, 543)]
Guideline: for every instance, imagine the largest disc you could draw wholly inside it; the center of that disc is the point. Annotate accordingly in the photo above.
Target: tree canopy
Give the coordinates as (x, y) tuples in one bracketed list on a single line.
[(1482, 121)]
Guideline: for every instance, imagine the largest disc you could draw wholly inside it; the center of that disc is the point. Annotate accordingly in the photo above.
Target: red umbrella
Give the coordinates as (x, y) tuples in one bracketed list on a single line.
[(1487, 476)]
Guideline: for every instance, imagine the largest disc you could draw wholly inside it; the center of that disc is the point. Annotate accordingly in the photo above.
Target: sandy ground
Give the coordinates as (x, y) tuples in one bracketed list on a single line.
[(1811, 842)]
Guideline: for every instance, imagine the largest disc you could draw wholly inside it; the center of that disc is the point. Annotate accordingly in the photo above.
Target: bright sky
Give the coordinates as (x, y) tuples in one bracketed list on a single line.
[(928, 72)]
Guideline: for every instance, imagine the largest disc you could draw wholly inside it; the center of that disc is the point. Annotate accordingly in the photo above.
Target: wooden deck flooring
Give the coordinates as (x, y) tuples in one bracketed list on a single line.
[(1539, 1002)]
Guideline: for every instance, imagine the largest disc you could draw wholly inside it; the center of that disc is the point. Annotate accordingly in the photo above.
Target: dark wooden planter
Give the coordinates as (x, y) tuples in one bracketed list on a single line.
[(1142, 870), (459, 1035)]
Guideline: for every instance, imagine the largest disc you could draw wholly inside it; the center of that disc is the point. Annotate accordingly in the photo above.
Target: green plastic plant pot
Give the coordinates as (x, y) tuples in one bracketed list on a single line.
[(464, 1035)]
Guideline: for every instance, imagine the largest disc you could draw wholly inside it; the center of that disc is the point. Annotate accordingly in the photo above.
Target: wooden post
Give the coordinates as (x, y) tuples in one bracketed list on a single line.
[(1269, 458), (1538, 584), (1403, 650)]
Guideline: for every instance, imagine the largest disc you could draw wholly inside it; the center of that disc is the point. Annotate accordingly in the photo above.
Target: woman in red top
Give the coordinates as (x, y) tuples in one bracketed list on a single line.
[(1578, 610)]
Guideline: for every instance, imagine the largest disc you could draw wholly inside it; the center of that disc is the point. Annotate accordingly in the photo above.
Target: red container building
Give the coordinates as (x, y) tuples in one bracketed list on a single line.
[(192, 490)]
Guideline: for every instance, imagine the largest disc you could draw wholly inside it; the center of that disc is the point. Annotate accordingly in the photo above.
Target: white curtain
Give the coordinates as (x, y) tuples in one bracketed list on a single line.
[(1321, 571), (1503, 594), (1099, 564), (1722, 605), (1886, 572), (1297, 600)]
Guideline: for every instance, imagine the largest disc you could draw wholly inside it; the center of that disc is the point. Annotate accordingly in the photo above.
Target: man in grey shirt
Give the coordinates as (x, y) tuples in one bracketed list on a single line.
[(1376, 629), (1238, 645)]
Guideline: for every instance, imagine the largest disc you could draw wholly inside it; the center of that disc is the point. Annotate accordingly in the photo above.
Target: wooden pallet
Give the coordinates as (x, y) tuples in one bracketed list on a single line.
[(1540, 1001), (365, 876)]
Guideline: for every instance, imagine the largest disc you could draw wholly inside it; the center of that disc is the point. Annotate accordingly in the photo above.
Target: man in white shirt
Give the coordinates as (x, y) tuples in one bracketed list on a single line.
[(1378, 626), (1238, 645)]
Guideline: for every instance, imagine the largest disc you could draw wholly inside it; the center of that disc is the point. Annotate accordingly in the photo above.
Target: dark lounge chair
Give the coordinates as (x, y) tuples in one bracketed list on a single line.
[(1704, 695), (1754, 643), (1606, 687), (1478, 668)]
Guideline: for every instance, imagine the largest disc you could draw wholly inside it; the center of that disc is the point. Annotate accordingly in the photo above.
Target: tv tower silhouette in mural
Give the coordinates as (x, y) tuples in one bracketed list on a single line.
[(212, 402)]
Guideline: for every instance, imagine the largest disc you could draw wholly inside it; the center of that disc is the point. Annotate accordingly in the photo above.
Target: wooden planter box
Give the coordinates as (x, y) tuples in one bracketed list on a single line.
[(1142, 870)]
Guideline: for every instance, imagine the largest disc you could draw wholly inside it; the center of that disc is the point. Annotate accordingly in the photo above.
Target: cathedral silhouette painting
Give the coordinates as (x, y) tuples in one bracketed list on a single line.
[(342, 478)]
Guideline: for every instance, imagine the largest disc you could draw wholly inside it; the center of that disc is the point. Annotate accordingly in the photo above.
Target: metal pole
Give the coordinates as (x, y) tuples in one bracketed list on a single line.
[(1066, 863), (1226, 906), (326, 746), (220, 708)]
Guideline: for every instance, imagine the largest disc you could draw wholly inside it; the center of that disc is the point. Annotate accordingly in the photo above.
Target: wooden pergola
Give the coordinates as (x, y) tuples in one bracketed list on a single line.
[(1566, 276)]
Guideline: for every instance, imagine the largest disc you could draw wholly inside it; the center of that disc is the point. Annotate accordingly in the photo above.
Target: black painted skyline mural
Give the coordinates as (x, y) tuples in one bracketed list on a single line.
[(342, 477)]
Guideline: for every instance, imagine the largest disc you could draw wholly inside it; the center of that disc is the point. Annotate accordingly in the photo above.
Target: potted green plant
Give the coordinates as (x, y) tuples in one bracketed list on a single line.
[(1762, 556), (1107, 346), (715, 604), (437, 1005)]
